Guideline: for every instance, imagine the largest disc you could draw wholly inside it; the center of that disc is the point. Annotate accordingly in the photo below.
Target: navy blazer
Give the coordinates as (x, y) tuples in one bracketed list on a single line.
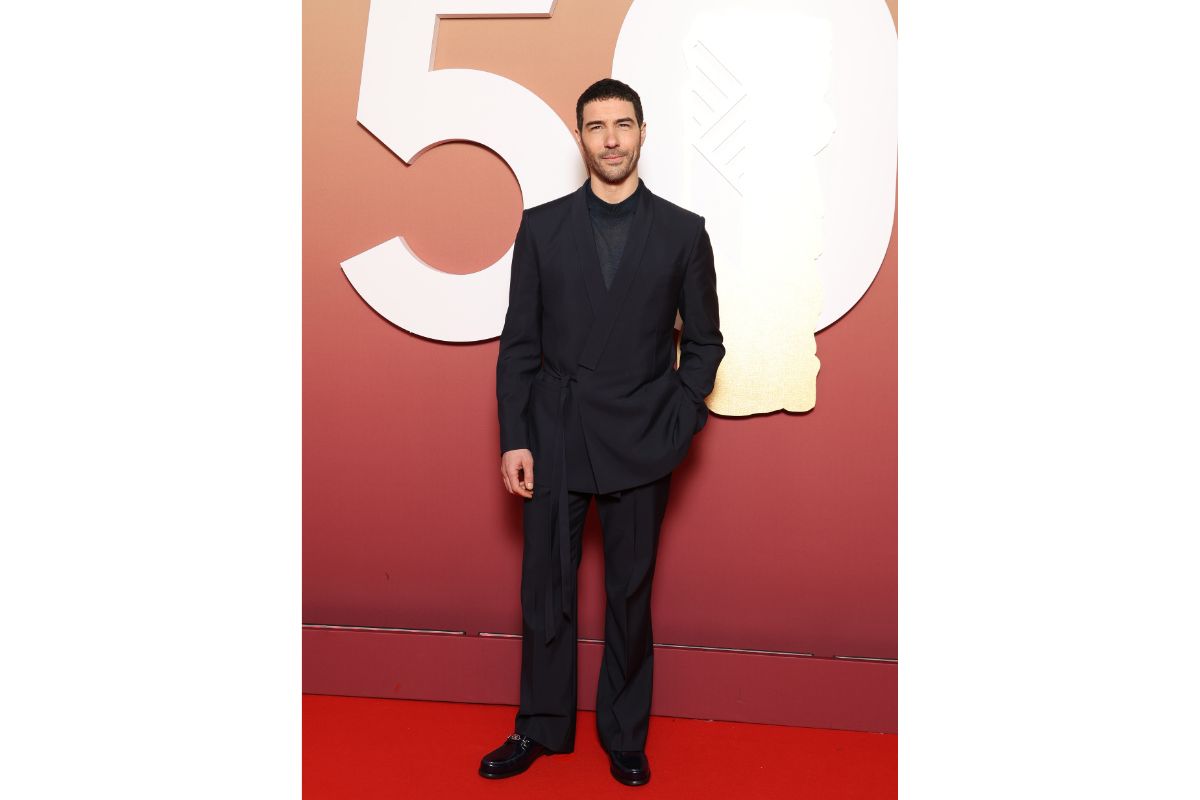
[(576, 356)]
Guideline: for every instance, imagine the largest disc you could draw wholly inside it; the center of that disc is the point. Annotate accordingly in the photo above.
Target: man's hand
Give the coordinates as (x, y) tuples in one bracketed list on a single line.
[(516, 466)]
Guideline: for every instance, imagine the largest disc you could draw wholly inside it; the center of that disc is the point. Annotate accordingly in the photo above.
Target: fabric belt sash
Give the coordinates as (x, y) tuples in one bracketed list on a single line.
[(557, 604)]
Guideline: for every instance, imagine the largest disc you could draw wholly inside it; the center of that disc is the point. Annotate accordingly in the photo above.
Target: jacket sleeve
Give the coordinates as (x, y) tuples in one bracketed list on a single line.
[(520, 343), (700, 344)]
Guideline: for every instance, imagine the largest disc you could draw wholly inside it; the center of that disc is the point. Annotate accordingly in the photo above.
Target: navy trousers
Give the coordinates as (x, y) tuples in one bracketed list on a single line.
[(630, 521)]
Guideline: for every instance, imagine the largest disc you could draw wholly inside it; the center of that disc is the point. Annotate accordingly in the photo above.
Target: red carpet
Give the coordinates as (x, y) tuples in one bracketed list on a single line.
[(365, 748)]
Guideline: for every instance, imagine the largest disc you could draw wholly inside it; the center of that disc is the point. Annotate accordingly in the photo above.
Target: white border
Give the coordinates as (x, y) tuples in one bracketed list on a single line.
[(151, 440)]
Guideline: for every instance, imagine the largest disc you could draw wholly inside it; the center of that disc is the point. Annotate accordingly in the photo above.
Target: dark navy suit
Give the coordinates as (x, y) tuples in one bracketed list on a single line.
[(586, 380)]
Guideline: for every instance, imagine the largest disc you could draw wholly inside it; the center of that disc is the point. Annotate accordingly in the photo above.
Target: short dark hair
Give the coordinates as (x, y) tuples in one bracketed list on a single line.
[(608, 89)]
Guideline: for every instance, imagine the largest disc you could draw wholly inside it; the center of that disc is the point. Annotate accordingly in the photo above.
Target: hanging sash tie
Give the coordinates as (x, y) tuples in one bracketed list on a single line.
[(559, 591)]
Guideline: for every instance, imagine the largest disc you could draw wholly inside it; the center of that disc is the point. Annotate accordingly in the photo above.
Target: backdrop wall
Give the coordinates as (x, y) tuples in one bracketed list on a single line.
[(412, 548)]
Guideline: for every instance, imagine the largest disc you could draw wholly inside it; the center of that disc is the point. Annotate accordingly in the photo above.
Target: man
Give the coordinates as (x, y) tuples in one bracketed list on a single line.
[(589, 397)]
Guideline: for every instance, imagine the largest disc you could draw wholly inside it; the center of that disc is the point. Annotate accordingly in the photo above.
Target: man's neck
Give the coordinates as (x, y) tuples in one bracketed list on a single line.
[(614, 193)]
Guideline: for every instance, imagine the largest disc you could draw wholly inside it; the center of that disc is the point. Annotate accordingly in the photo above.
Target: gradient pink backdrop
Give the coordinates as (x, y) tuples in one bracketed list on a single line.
[(781, 533)]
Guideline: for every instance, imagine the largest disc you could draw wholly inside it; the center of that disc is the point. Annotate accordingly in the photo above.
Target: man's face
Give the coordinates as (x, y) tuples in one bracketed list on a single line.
[(611, 139)]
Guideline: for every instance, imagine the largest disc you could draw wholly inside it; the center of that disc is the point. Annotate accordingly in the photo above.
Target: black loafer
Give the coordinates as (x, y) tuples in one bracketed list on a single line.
[(630, 767), (511, 758)]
